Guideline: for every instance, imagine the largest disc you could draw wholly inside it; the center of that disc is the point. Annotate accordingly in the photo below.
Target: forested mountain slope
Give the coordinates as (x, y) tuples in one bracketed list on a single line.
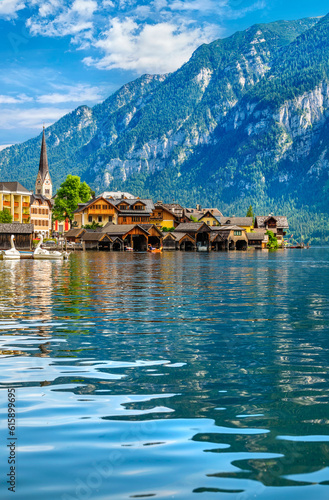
[(245, 120)]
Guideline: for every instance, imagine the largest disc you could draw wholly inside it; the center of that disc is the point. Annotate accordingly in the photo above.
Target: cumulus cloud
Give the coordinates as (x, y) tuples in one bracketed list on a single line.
[(57, 19), (150, 48), (9, 8)]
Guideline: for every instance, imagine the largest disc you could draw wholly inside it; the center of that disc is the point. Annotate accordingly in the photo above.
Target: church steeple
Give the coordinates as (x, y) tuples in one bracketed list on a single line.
[(43, 183)]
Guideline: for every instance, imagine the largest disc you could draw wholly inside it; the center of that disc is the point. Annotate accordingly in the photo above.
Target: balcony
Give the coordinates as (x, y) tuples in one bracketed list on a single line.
[(94, 211), (16, 204), (25, 204), (26, 216), (6, 203), (16, 216)]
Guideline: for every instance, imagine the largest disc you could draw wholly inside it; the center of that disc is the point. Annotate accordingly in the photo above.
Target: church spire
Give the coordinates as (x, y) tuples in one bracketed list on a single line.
[(43, 165), (43, 183)]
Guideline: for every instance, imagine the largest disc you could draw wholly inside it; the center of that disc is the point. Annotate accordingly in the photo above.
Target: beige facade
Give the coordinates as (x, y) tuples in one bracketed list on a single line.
[(41, 215), (15, 198), (100, 211)]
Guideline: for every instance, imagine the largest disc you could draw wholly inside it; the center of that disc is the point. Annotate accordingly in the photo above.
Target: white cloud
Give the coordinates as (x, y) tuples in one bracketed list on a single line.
[(32, 118), (9, 8), (55, 19), (78, 93), (19, 99), (156, 48)]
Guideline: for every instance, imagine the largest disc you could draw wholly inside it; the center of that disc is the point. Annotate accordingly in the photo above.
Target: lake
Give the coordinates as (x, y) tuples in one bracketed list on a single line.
[(180, 375)]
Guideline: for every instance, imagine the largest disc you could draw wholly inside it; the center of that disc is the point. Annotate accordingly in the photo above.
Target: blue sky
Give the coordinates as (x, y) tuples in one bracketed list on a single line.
[(57, 54)]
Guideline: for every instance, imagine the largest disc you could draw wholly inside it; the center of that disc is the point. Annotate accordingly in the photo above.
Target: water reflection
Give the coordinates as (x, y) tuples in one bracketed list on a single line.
[(202, 374)]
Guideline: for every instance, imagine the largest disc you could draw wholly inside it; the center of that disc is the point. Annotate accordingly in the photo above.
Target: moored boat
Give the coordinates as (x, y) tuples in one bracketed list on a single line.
[(12, 253)]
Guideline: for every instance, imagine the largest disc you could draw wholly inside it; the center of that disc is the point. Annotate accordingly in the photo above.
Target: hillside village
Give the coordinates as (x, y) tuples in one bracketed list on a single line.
[(119, 221)]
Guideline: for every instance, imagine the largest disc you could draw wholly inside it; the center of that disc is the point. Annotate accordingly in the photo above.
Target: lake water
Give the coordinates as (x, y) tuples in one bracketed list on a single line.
[(180, 375)]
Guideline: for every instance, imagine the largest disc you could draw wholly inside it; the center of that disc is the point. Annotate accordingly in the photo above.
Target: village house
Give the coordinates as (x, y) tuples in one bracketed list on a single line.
[(228, 238), (98, 210), (41, 210), (257, 239), (134, 211), (162, 217), (16, 199), (277, 224), (243, 222), (210, 219)]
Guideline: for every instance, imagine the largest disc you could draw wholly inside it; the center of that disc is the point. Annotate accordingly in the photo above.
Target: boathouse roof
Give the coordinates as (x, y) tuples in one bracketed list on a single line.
[(256, 236), (235, 221), (16, 228), (95, 236), (190, 227)]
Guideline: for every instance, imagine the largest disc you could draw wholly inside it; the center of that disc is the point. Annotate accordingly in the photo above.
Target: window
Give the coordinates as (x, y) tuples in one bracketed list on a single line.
[(110, 218), (123, 207), (105, 207), (237, 233), (139, 207), (47, 191), (136, 219), (90, 218), (214, 223), (124, 219), (100, 218)]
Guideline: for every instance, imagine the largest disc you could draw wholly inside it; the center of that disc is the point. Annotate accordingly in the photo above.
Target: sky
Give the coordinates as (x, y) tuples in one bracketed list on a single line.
[(56, 55)]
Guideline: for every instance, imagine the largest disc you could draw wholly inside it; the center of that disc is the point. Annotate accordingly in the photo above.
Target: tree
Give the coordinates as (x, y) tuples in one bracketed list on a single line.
[(93, 225), (272, 241), (5, 216), (250, 212), (71, 192)]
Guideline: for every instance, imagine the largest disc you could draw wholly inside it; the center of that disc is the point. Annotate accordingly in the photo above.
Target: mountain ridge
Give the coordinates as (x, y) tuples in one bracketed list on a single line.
[(245, 120)]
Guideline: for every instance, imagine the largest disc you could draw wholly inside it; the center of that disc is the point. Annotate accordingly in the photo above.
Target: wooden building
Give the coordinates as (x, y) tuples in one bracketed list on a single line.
[(94, 240), (199, 231), (75, 235), (98, 210), (257, 239), (132, 235), (23, 236), (277, 224), (228, 238)]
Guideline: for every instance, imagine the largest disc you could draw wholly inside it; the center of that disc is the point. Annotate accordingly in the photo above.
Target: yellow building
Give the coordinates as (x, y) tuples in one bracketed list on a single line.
[(98, 210), (15, 198), (209, 219), (163, 217)]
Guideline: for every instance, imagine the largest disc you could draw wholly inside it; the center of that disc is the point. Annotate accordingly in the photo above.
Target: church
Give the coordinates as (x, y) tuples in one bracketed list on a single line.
[(41, 203)]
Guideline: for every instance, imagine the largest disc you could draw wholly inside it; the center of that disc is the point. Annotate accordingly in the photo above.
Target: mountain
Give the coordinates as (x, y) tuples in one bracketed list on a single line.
[(245, 120)]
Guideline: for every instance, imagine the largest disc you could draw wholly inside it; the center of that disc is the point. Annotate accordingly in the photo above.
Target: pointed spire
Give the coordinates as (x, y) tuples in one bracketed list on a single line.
[(43, 165)]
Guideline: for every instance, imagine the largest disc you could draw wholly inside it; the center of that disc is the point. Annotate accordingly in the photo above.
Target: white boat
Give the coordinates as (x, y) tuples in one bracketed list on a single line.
[(12, 253), (42, 253)]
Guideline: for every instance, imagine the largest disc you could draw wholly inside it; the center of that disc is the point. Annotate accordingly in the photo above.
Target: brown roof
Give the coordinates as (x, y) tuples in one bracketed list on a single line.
[(281, 221), (95, 236), (120, 229), (236, 221), (189, 227), (16, 228), (82, 206), (74, 232), (181, 236), (256, 236), (227, 228)]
